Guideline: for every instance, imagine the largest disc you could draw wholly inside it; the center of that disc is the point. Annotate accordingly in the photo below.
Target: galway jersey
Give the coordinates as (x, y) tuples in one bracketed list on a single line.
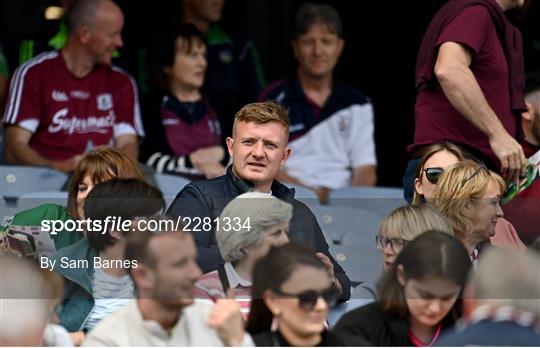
[(328, 142), (184, 127), (68, 115)]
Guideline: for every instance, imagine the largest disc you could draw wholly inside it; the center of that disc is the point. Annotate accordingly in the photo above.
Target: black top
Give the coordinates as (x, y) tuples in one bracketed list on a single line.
[(329, 339), (377, 327)]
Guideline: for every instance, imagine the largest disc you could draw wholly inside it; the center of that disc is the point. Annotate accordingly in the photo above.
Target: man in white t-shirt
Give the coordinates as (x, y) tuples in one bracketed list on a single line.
[(165, 313)]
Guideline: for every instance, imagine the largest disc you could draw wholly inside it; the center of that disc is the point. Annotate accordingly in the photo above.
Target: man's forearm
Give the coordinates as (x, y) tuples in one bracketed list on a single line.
[(364, 176), (24, 155), (18, 153), (463, 92), (282, 176), (131, 149)]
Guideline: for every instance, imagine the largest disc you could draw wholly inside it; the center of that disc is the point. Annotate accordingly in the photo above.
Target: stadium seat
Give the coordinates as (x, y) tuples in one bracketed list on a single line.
[(361, 263), (380, 200), (18, 180), (339, 222), (170, 185), (33, 199), (305, 195)]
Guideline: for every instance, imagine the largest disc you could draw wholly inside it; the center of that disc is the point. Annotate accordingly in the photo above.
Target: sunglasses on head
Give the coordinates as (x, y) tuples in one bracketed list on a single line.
[(475, 173), (433, 174), (308, 299)]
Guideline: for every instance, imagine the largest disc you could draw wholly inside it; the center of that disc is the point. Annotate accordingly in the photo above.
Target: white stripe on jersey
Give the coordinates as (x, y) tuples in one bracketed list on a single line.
[(30, 124), (17, 85), (137, 121), (123, 128)]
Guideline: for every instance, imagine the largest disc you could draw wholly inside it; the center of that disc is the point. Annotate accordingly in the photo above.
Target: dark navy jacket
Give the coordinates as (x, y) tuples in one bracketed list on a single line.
[(208, 198), (491, 333)]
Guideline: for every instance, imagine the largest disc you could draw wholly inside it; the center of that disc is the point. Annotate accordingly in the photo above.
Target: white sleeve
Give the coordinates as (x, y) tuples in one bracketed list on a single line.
[(361, 145)]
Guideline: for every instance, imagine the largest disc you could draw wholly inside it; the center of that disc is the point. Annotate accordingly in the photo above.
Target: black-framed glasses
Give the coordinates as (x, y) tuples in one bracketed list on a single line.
[(475, 173), (396, 244), (433, 174), (308, 299)]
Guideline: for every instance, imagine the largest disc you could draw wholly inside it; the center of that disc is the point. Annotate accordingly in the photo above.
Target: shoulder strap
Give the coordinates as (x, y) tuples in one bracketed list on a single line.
[(223, 278)]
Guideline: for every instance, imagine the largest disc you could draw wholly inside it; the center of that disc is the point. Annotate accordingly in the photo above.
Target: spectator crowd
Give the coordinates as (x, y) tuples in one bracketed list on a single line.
[(252, 262)]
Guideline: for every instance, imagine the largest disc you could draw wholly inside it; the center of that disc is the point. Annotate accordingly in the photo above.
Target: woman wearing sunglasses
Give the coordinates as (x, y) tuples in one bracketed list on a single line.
[(291, 294), (418, 296), (436, 160)]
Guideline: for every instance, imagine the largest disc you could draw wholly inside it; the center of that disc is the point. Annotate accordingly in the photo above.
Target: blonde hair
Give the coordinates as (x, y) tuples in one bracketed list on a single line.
[(430, 151), (409, 222), (458, 185), (262, 113)]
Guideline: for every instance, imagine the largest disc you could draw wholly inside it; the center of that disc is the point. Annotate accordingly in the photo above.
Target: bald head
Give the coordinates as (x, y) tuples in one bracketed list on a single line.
[(95, 33), (85, 12)]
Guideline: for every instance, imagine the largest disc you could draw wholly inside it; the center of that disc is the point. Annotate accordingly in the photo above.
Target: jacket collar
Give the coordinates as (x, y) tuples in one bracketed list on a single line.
[(80, 251), (242, 186)]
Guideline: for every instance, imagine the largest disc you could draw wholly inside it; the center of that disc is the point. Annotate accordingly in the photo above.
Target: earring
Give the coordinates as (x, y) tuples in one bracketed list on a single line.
[(275, 322)]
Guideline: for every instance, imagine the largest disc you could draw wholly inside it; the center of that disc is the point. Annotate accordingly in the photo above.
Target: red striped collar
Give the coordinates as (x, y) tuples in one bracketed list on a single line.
[(419, 343)]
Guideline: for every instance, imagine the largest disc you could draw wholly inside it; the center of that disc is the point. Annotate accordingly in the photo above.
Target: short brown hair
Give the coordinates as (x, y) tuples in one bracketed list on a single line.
[(261, 113), (101, 164), (309, 14)]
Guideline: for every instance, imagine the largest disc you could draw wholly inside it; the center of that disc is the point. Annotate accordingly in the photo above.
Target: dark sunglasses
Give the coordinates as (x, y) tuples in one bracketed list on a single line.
[(433, 174), (308, 299)]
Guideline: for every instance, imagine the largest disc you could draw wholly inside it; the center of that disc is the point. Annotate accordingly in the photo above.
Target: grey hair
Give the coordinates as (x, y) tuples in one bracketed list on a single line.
[(507, 278), (261, 210)]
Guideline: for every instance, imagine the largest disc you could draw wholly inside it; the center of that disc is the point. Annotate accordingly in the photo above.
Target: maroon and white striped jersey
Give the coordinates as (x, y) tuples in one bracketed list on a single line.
[(68, 115)]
